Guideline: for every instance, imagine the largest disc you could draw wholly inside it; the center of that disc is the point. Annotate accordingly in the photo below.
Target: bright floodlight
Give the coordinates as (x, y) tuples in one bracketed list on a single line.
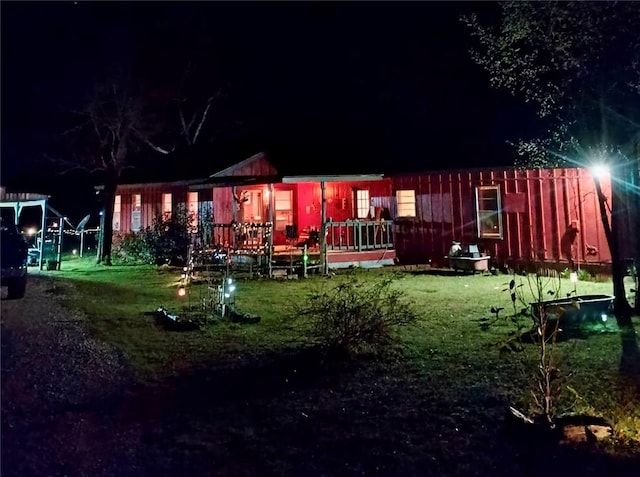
[(604, 317), (599, 171), (31, 231)]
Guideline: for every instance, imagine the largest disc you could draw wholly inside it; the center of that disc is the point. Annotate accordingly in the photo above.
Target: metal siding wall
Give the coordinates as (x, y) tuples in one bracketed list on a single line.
[(308, 209), (222, 205), (125, 212), (537, 207)]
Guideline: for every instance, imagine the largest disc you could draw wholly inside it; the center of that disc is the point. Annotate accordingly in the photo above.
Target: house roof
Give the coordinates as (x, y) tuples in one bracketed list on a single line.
[(210, 163)]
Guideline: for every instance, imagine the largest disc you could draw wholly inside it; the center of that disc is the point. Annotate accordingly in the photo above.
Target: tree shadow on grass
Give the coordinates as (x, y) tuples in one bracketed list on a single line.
[(245, 380), (441, 272)]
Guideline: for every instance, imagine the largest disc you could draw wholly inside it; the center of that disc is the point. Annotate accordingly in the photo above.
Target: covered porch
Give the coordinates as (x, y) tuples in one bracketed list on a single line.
[(300, 223)]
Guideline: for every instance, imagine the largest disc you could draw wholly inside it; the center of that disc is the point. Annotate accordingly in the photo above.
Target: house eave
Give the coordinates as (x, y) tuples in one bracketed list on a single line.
[(333, 178), (229, 170), (140, 185)]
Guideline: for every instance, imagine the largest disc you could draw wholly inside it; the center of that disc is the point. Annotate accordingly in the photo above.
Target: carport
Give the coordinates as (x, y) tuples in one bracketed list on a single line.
[(18, 201)]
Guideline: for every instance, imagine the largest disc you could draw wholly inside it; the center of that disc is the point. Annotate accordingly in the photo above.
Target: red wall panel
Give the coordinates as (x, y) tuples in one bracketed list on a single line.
[(538, 207)]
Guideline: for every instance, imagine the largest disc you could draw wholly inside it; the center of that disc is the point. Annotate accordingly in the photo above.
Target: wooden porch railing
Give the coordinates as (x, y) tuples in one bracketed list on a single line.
[(359, 235), (354, 235), (251, 237)]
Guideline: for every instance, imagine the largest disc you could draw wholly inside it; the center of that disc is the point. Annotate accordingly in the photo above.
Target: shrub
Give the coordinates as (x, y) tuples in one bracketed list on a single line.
[(133, 248), (548, 383), (358, 315), (169, 238)]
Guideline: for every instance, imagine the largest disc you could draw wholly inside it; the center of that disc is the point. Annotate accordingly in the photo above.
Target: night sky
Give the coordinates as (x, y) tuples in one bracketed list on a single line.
[(389, 86)]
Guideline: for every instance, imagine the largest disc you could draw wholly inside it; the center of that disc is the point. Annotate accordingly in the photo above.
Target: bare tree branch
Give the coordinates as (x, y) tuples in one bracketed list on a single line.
[(203, 119)]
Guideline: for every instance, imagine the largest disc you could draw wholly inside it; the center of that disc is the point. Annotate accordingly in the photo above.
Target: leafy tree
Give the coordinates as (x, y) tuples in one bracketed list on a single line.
[(578, 65)]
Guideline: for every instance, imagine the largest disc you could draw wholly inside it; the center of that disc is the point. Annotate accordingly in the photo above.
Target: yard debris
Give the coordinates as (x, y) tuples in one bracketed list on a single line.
[(173, 322), (243, 317)]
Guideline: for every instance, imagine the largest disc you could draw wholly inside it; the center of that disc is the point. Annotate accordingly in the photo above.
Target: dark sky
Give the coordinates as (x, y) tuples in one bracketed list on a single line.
[(386, 85)]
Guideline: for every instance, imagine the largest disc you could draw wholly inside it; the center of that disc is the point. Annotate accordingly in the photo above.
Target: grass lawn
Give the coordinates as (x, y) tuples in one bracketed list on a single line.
[(256, 400)]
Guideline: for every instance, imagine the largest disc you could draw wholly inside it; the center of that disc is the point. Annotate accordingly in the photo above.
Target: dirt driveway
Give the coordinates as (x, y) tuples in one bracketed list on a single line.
[(67, 402)]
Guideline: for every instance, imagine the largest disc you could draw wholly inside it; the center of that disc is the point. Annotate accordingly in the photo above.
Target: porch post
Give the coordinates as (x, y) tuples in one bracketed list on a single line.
[(271, 232), (234, 219), (43, 232), (323, 230)]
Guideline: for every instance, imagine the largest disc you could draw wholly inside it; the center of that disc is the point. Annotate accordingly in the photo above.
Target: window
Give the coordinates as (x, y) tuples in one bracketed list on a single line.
[(283, 209), (192, 210), (117, 208), (166, 206), (136, 212), (489, 212), (363, 205), (406, 200)]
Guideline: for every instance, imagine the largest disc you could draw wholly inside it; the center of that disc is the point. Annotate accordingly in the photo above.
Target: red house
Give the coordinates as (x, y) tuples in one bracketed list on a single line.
[(253, 209)]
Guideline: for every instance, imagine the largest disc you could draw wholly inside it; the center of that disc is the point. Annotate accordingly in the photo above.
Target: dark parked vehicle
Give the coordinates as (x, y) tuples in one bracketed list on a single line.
[(14, 260)]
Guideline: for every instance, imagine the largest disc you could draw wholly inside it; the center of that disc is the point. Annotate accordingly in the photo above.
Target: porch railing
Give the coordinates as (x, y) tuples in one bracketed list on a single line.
[(250, 237), (359, 235)]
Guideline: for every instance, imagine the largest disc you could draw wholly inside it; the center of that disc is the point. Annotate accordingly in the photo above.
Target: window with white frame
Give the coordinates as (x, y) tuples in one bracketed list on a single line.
[(136, 212), (283, 209), (192, 210), (166, 206), (117, 210), (406, 203), (363, 204), (489, 208)]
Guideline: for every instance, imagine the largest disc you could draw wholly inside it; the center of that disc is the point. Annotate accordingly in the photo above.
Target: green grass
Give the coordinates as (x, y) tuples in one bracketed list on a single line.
[(448, 359)]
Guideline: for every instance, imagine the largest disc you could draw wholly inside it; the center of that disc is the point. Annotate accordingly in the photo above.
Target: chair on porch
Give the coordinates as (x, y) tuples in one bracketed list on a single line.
[(291, 234)]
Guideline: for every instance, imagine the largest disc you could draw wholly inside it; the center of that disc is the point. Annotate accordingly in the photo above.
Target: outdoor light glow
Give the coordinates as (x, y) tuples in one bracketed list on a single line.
[(227, 295), (599, 171), (31, 231), (184, 269), (229, 281), (604, 317), (573, 277), (182, 291), (232, 288), (74, 251)]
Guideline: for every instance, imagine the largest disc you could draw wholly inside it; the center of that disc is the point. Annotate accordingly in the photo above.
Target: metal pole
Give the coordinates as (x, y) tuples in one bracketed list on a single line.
[(100, 238), (304, 261), (59, 251), (271, 232), (81, 242), (323, 229), (43, 231)]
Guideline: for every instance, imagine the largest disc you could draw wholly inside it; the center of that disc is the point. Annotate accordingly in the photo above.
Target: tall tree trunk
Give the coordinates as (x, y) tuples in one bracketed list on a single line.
[(106, 234), (634, 218), (630, 356), (611, 229)]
